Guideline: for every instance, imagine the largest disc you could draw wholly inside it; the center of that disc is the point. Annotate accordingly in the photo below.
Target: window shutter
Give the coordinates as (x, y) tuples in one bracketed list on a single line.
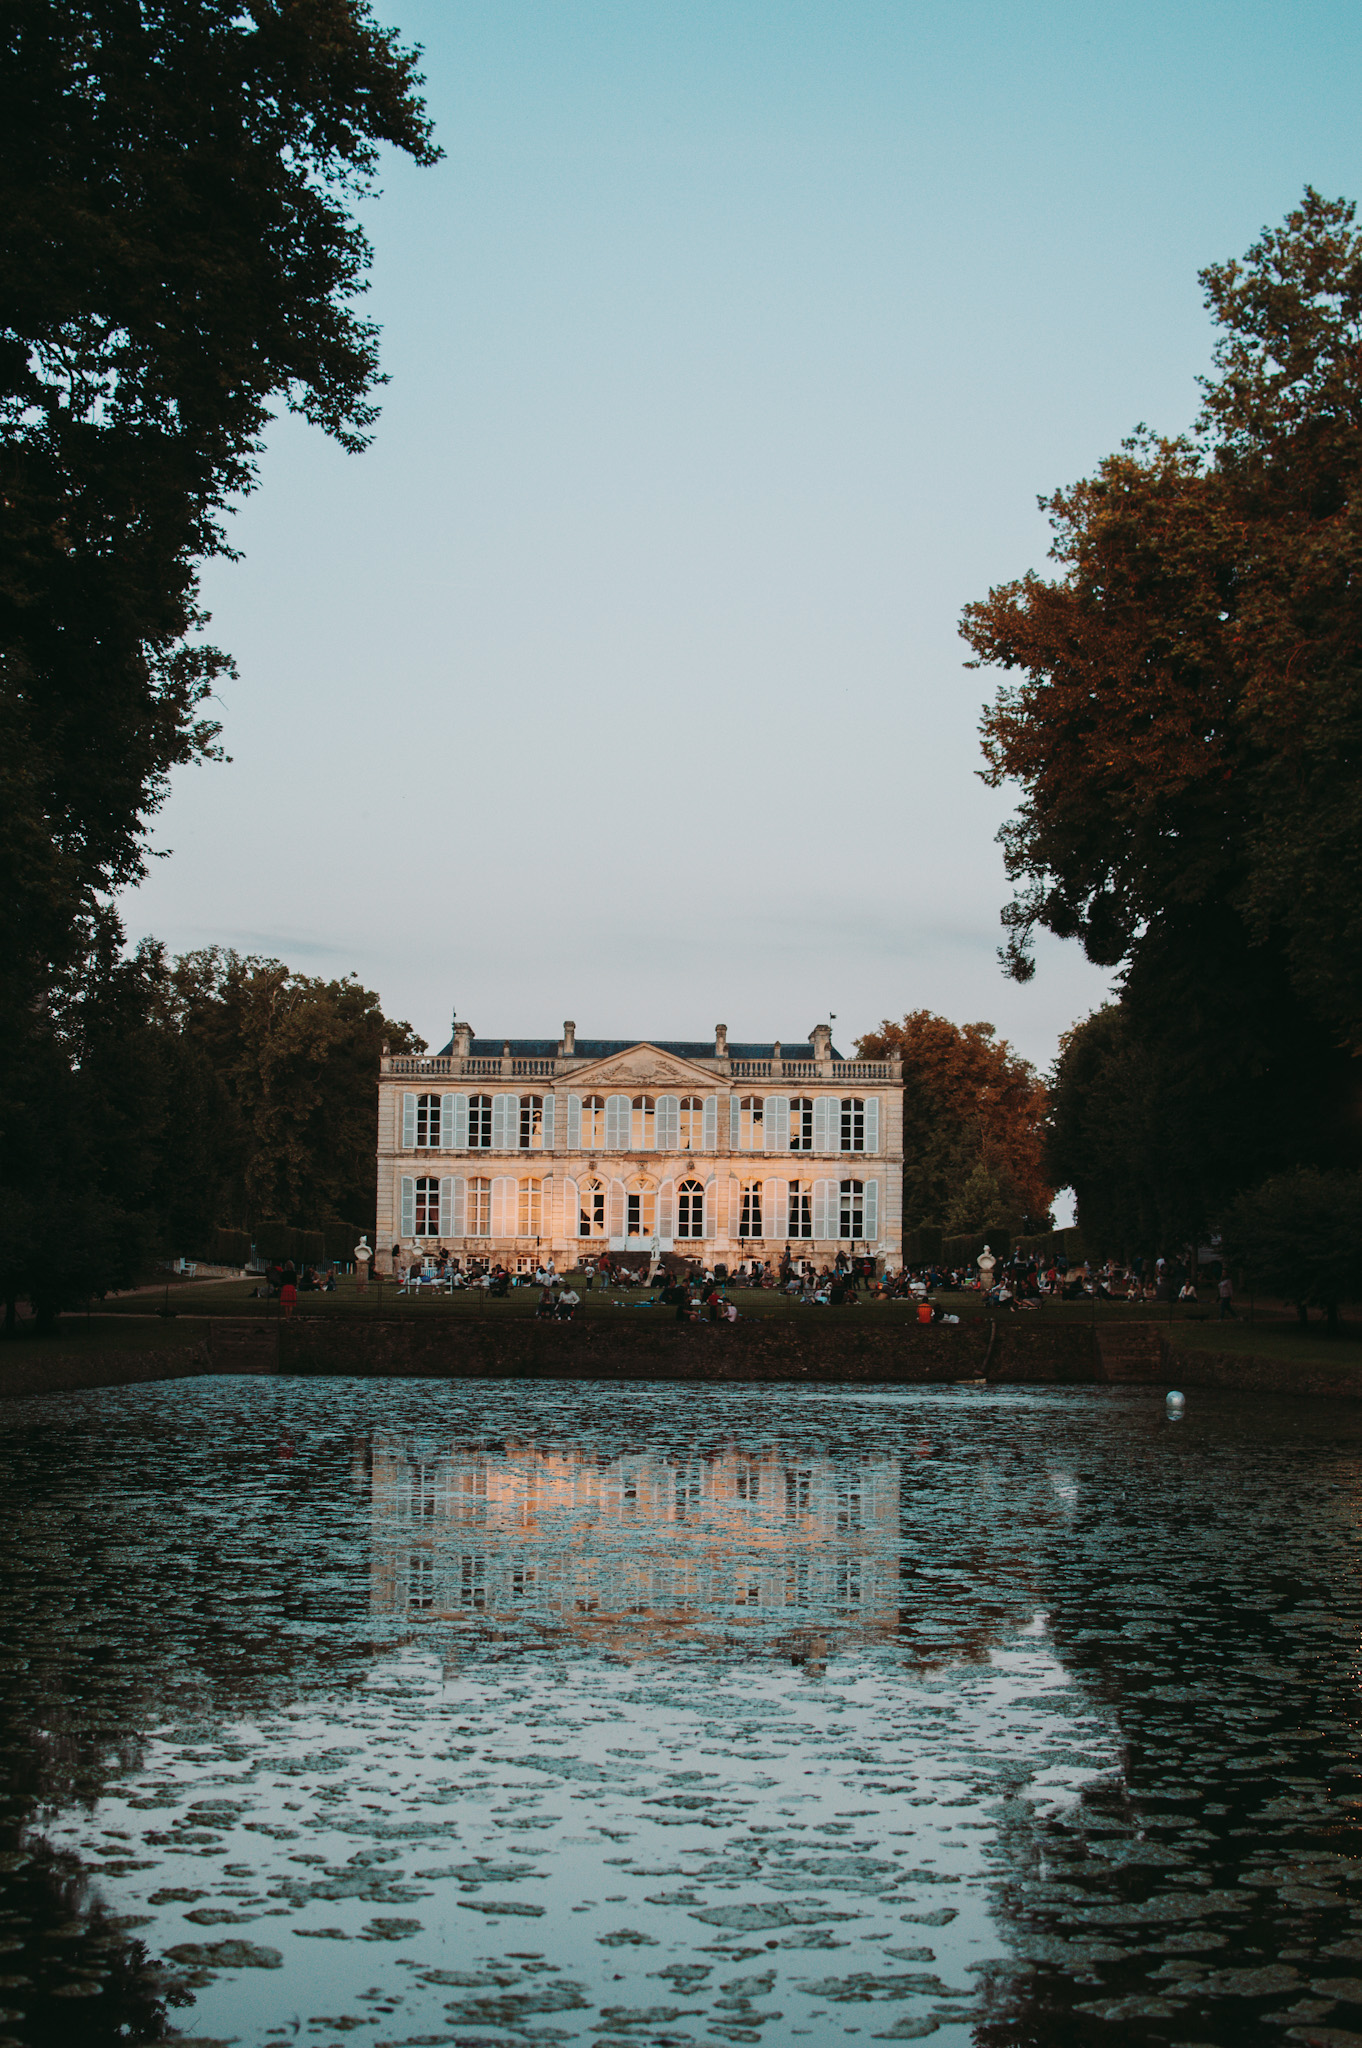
[(668, 1123), (820, 1123), (734, 1124), (734, 1208), (824, 1196), (711, 1205), (549, 1104), (407, 1227), (871, 1210), (503, 1206), (711, 1127), (666, 1211), (775, 1208), (499, 1138), (456, 1205), (617, 1126), (574, 1123), (459, 1138), (615, 1208), (777, 1123), (872, 1126), (408, 1124), (447, 1205), (570, 1222)]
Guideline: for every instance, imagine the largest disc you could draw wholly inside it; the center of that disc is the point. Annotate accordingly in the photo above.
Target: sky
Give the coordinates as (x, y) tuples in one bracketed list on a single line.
[(730, 348)]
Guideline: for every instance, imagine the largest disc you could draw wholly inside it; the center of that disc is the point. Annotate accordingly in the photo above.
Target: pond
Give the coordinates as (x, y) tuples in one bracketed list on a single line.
[(406, 1714)]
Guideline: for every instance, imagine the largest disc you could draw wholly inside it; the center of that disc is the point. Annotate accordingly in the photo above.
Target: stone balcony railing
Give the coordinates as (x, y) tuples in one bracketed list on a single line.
[(425, 1066)]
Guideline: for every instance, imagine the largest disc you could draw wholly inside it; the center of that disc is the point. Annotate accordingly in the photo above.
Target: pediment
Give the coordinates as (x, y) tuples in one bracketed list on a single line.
[(642, 1066)]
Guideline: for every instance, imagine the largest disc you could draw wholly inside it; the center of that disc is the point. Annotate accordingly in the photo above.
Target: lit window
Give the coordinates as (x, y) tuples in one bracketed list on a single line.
[(424, 1488), (531, 1123), (751, 1129), (801, 1124), (801, 1210), (427, 1119), (751, 1209), (853, 1125), (749, 1482), (690, 1209), (853, 1199), (692, 1123), (427, 1207), (593, 1123), (591, 1203), (531, 1207), (479, 1122), (642, 1209), (642, 1124), (479, 1208)]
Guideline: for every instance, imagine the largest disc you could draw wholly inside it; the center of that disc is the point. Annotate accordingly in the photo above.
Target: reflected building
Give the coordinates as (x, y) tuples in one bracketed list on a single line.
[(639, 1553)]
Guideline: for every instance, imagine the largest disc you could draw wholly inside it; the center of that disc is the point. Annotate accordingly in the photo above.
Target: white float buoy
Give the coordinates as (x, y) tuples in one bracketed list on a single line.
[(1175, 1403)]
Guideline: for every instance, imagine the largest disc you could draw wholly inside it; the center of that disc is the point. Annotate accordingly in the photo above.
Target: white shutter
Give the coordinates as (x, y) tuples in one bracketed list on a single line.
[(408, 1124), (571, 1224), (827, 1123), (734, 1124), (548, 1122), (668, 1123), (459, 1138), (775, 1208), (871, 1211), (504, 1218), (824, 1198), (574, 1126), (711, 1205), (447, 1205), (457, 1189), (615, 1209), (872, 1127), (777, 1123), (407, 1228), (711, 1126), (734, 1220), (617, 1123), (666, 1212), (446, 1123)]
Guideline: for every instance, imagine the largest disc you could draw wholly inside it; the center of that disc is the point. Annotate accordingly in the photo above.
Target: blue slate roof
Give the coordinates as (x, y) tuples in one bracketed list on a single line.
[(602, 1048)]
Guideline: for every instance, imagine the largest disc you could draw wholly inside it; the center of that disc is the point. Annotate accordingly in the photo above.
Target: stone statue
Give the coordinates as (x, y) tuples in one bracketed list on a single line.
[(986, 1262), (363, 1254)]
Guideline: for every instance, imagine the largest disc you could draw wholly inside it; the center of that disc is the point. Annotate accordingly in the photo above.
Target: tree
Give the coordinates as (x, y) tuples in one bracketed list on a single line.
[(1300, 1235), (973, 1123)]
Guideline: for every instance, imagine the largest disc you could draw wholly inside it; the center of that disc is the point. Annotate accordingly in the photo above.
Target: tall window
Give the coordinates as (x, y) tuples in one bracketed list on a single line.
[(751, 1126), (853, 1124), (801, 1124), (479, 1122), (531, 1123), (531, 1207), (690, 1209), (692, 1123), (424, 1501), (427, 1119), (591, 1206), (853, 1209), (642, 1209), (427, 1207), (593, 1123), (801, 1215), (478, 1214), (420, 1582), (642, 1125), (751, 1209)]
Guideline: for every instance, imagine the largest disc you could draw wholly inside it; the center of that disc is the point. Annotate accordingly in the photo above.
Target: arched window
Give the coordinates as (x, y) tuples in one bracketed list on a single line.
[(853, 1126), (751, 1209), (591, 1206), (751, 1125), (642, 1120), (690, 1209), (479, 1123), (801, 1215), (593, 1123), (640, 1209), (692, 1123), (427, 1207), (531, 1124), (801, 1124), (853, 1209), (531, 1207), (479, 1211), (427, 1119)]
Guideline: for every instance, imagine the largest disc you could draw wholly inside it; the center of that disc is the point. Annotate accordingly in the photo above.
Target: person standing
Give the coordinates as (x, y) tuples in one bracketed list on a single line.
[(1226, 1292)]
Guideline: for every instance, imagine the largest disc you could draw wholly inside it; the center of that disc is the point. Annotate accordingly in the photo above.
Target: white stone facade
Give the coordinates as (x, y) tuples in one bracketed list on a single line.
[(516, 1150)]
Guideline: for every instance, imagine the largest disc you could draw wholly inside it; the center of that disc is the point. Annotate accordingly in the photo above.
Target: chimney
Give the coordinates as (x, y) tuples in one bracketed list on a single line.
[(463, 1041), (721, 1041), (569, 1040), (821, 1036)]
